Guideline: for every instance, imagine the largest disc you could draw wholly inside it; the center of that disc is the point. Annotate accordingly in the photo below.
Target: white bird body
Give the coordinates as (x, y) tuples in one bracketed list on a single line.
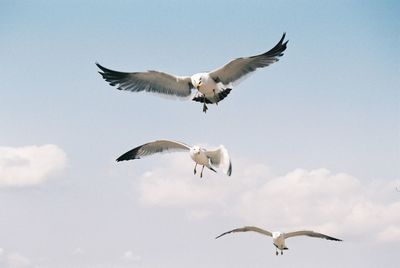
[(199, 156), (218, 158), (278, 238), (212, 87), (206, 85)]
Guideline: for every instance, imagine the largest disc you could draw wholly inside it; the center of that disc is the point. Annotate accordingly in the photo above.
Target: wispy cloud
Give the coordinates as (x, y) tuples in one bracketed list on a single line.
[(130, 256), (78, 251), (30, 165), (337, 203), (334, 203), (13, 260), (174, 185)]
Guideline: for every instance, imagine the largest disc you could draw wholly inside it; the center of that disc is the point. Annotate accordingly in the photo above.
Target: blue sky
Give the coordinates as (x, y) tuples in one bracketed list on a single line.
[(329, 107)]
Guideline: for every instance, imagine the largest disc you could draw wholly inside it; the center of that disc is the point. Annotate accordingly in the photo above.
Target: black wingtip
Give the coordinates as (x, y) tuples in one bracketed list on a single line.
[(278, 49), (219, 236), (223, 234), (229, 173), (119, 159), (334, 238), (283, 37), (101, 67), (126, 157), (130, 155)]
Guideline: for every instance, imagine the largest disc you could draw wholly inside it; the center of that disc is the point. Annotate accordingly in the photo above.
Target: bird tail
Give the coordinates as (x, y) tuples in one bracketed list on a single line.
[(202, 99)]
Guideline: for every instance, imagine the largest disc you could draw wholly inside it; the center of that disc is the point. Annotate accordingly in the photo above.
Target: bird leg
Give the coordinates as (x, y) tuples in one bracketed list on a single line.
[(195, 166), (201, 173), (281, 252), (216, 97), (276, 251), (204, 104)]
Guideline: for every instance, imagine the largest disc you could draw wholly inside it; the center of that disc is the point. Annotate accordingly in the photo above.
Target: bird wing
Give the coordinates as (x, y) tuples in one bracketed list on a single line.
[(150, 81), (152, 148), (247, 229), (220, 158), (310, 233), (238, 68)]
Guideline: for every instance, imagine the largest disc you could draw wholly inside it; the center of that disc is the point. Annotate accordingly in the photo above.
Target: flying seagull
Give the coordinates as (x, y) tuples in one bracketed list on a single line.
[(212, 87), (278, 238), (217, 158)]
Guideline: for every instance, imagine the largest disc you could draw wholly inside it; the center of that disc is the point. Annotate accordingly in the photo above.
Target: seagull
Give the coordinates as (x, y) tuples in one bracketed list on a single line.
[(217, 158), (212, 87), (278, 238)]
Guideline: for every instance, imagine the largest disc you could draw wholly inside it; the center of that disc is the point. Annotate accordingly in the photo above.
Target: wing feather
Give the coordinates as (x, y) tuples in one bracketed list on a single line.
[(220, 158), (247, 229), (238, 68), (154, 147), (150, 81), (311, 234)]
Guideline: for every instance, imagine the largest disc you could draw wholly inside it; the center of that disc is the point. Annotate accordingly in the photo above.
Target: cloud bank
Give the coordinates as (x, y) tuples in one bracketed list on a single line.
[(336, 203), (13, 260), (30, 165)]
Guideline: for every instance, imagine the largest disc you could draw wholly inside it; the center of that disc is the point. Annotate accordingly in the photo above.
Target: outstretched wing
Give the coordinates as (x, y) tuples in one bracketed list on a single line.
[(150, 81), (220, 158), (238, 68), (153, 148), (310, 233), (247, 229)]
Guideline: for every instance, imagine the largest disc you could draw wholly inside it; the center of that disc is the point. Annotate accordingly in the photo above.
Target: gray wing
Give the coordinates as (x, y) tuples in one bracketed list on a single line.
[(310, 233), (247, 229), (220, 158), (153, 148), (150, 81), (239, 67)]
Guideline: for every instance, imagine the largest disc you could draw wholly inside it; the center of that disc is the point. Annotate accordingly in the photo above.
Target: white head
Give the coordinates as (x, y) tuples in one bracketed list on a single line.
[(276, 234), (195, 149), (197, 80)]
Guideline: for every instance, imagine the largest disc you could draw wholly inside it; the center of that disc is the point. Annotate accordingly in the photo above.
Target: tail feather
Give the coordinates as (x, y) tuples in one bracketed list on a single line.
[(213, 99)]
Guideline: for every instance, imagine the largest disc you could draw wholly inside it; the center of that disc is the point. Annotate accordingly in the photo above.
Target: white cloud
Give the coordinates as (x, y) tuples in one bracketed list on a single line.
[(16, 260), (333, 203), (172, 183), (162, 187), (390, 234), (13, 260), (339, 204), (78, 251), (30, 165), (130, 256)]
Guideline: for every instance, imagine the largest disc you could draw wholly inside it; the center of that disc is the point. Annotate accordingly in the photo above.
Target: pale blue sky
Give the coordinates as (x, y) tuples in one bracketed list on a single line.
[(332, 102)]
